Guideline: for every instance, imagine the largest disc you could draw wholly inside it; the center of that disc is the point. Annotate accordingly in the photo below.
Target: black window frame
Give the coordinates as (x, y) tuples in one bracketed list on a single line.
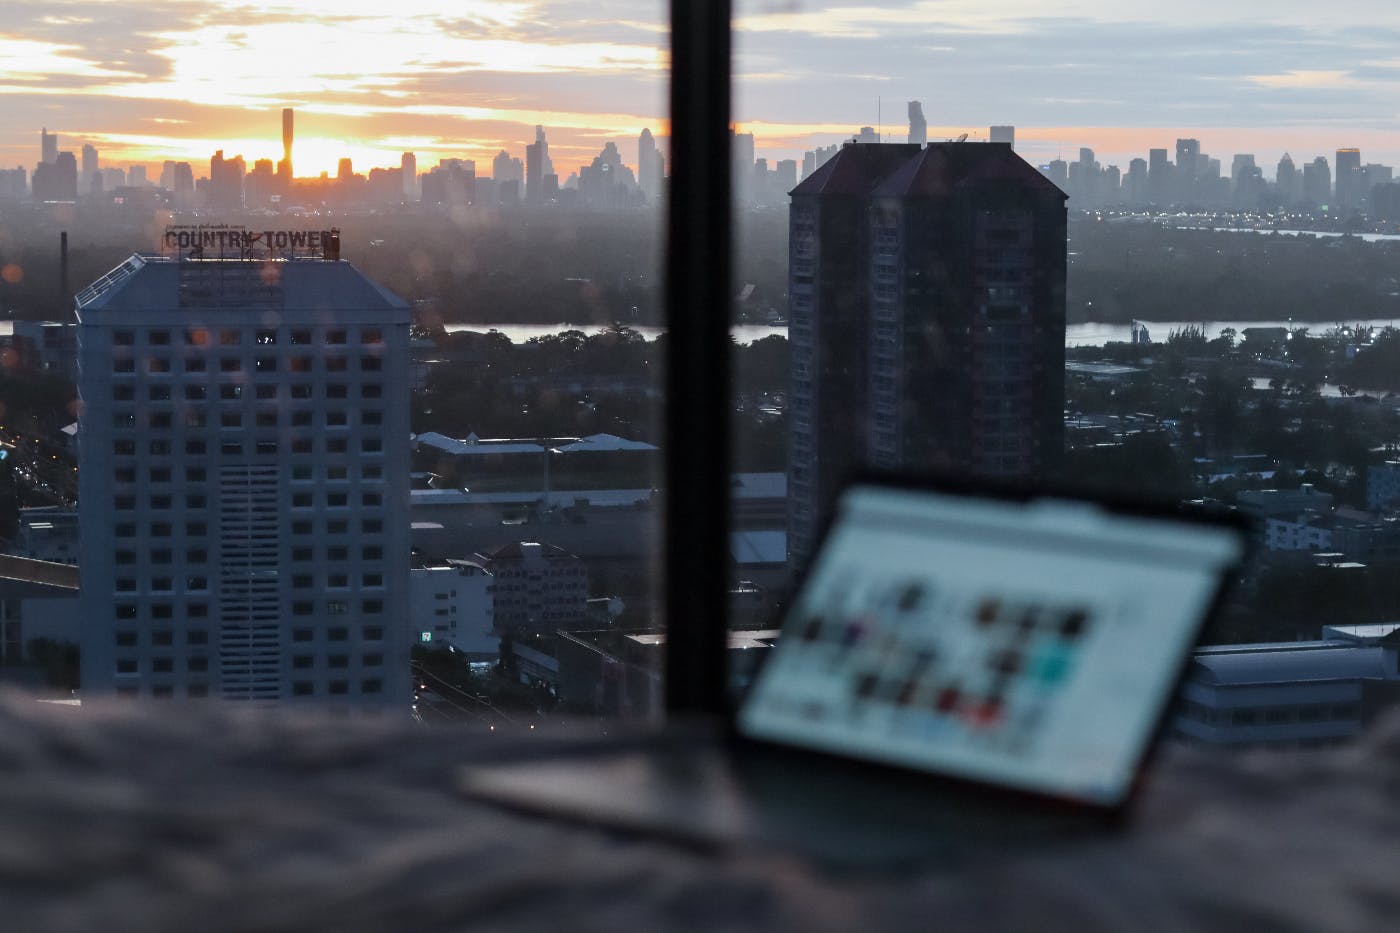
[(698, 277)]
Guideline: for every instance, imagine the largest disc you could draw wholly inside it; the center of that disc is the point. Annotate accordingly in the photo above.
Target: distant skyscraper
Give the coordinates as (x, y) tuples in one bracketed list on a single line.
[(1188, 170), (284, 168), (1371, 175), (48, 146), (785, 175), (1286, 180), (56, 180), (408, 168), (649, 167), (868, 135), (742, 148), (225, 181), (1348, 179), (504, 168), (917, 343), (537, 166), (918, 126), (1004, 134), (1317, 182), (244, 502), (1159, 172), (1135, 183), (136, 175), (89, 169)]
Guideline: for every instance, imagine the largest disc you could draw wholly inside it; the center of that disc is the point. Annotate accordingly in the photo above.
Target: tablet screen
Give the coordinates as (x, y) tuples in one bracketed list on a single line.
[(1030, 644)]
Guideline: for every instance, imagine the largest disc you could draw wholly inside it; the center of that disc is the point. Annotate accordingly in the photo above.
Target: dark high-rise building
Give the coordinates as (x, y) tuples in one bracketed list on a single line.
[(408, 172), (649, 177), (57, 180), (48, 146), (1348, 189), (226, 181), (918, 126), (284, 168), (89, 168), (537, 166), (927, 318), (1159, 175), (205, 522), (1286, 181), (1135, 183), (1317, 182), (1188, 170)]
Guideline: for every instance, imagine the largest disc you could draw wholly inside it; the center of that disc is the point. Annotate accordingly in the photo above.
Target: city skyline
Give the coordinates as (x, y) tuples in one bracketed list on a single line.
[(146, 85)]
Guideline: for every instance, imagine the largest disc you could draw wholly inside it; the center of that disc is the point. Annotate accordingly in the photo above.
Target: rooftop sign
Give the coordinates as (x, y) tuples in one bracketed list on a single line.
[(224, 241)]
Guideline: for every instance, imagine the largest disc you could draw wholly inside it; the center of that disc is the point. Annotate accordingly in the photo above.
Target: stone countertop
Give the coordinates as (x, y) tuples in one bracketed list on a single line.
[(170, 819)]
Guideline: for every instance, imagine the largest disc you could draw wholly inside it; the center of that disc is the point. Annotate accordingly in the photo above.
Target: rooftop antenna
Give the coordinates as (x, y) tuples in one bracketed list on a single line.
[(880, 117)]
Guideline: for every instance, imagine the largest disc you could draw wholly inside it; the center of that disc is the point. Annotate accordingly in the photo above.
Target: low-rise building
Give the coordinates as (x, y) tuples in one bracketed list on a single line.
[(47, 533), (1291, 694), (538, 588), (452, 604)]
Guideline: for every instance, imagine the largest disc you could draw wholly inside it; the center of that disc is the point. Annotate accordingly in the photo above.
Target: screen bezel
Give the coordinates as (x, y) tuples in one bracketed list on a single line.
[(1020, 493)]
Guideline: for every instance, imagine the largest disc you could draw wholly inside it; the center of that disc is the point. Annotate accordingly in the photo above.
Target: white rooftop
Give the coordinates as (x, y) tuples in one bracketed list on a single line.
[(602, 442)]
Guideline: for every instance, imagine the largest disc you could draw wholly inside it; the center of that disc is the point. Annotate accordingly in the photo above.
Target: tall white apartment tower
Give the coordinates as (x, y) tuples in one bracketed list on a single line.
[(243, 480)]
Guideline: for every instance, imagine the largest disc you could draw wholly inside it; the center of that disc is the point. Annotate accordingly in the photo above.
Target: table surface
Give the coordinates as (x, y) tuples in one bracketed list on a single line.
[(126, 818)]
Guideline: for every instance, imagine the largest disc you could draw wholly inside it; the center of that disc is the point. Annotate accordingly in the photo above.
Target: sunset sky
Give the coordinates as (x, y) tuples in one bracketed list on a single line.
[(147, 81)]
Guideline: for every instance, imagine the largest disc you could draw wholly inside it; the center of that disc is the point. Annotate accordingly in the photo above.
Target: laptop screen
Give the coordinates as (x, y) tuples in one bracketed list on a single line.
[(1028, 644)]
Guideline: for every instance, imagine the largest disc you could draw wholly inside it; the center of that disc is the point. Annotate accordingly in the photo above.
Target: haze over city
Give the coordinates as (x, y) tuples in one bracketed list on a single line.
[(369, 81)]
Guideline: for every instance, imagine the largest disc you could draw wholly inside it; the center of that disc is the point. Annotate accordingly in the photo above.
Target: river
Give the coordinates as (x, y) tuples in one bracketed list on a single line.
[(1092, 334)]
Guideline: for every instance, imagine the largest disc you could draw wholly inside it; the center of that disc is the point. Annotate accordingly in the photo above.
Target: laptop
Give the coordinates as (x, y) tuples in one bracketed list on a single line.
[(963, 669)]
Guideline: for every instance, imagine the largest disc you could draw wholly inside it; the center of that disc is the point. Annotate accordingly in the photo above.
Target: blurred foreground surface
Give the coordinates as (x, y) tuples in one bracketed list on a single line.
[(122, 820)]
